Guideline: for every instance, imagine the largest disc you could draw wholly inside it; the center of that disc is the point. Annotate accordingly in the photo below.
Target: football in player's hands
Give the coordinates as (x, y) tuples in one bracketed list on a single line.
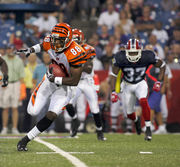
[(57, 70)]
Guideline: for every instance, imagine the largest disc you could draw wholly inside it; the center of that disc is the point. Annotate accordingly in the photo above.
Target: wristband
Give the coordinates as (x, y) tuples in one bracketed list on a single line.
[(163, 64), (37, 48), (114, 75), (58, 80)]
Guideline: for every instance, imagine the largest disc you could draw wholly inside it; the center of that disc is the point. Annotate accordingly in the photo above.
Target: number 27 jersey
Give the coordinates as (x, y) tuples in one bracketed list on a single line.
[(134, 72)]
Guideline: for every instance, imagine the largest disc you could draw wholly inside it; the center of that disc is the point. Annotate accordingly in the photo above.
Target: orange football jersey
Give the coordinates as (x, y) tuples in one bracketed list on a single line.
[(74, 55), (90, 51)]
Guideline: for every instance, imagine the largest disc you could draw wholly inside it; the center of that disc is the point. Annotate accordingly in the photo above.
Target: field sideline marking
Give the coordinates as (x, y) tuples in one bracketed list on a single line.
[(67, 152), (147, 152), (75, 161)]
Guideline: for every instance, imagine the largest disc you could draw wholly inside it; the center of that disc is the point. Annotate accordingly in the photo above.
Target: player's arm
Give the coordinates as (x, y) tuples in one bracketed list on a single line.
[(34, 49), (113, 76), (157, 85), (72, 80), (162, 65), (4, 69), (88, 66)]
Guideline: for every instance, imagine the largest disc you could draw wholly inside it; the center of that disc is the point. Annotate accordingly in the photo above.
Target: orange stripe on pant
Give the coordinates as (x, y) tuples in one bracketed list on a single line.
[(35, 92)]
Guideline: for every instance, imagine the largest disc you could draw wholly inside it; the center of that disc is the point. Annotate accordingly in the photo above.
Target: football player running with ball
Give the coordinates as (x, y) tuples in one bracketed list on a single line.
[(54, 90), (87, 87), (133, 61)]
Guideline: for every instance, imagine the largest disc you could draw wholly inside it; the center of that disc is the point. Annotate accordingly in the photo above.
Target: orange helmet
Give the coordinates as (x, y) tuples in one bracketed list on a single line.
[(61, 36), (78, 36)]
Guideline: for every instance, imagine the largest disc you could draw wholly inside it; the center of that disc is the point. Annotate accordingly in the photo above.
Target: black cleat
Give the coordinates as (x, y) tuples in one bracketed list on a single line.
[(138, 126), (100, 135), (148, 134), (74, 127), (21, 146)]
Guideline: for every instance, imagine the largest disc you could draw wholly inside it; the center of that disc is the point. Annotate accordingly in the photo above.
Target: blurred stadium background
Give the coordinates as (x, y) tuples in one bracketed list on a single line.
[(24, 23)]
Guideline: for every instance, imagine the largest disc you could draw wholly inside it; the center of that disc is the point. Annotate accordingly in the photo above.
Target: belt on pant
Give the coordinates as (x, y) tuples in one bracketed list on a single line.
[(13, 81)]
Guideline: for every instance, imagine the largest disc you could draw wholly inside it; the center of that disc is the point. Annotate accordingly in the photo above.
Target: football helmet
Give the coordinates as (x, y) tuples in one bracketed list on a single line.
[(78, 36), (133, 50), (61, 36)]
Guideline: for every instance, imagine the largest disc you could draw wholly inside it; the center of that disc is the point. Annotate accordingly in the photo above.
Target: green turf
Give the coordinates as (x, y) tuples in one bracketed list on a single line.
[(118, 151)]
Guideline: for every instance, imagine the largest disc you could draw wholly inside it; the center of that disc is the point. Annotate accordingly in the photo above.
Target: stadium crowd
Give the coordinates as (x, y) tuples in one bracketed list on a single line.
[(156, 23)]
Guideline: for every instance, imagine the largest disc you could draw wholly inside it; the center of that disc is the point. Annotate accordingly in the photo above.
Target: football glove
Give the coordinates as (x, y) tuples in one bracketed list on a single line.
[(157, 86), (5, 80), (27, 51), (50, 75), (114, 97)]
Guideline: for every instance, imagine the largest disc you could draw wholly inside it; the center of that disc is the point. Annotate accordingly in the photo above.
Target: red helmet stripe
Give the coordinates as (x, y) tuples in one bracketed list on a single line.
[(137, 45)]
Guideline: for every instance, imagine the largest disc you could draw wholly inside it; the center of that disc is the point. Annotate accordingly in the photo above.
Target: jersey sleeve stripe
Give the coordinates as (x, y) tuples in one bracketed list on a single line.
[(82, 55)]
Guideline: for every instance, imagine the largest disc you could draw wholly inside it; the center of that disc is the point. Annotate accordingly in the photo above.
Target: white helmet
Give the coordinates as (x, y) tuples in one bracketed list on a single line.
[(133, 50)]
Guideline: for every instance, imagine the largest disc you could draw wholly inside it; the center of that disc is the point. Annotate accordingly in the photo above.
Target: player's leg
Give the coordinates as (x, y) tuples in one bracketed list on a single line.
[(59, 99), (129, 104), (92, 98), (141, 93), (81, 106), (114, 111), (75, 123), (39, 97)]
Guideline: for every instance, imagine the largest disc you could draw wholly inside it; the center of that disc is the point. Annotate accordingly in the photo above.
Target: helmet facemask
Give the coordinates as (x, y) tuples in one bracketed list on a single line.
[(133, 55), (133, 51), (59, 43), (78, 36)]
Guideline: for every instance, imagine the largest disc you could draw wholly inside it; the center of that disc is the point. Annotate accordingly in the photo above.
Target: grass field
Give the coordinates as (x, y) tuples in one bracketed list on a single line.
[(118, 151)]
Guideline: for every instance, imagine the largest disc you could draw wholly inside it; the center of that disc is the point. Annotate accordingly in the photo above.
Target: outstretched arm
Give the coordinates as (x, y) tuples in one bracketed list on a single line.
[(34, 49)]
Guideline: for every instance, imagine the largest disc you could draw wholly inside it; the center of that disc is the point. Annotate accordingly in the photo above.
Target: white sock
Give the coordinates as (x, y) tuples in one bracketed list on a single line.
[(148, 123), (100, 128), (136, 119), (33, 133), (75, 116)]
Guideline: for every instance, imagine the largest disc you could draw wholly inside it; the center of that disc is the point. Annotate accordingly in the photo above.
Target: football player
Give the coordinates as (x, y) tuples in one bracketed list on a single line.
[(87, 87), (54, 90), (133, 61), (4, 69)]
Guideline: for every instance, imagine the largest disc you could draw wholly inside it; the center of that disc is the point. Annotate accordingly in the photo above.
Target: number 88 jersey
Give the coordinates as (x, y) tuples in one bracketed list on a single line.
[(73, 56), (134, 72)]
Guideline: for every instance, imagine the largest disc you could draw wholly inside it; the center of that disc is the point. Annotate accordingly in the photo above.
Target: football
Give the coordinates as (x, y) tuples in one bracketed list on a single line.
[(57, 70)]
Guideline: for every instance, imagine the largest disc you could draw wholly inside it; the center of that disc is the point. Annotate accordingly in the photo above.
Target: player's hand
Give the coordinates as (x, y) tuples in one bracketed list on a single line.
[(50, 75), (114, 97), (5, 80), (27, 51), (157, 86)]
